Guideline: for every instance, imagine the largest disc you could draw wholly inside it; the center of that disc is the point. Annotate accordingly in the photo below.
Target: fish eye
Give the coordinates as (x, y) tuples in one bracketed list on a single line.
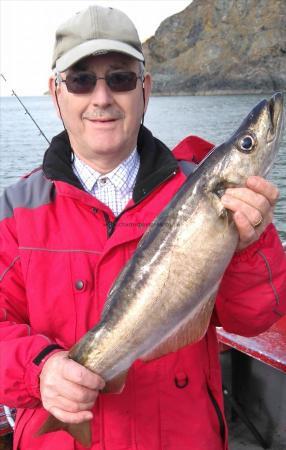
[(246, 143)]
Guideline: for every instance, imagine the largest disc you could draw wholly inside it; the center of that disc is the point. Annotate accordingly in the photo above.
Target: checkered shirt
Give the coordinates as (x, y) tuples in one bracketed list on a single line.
[(115, 188)]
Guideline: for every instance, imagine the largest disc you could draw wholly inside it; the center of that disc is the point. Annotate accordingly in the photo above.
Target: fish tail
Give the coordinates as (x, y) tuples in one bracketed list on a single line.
[(81, 432)]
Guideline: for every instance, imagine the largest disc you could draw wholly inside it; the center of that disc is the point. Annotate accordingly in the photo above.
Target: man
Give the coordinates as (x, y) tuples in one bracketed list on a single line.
[(63, 243)]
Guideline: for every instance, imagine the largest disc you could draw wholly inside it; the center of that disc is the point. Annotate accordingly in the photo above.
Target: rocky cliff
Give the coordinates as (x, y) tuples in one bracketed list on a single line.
[(220, 46)]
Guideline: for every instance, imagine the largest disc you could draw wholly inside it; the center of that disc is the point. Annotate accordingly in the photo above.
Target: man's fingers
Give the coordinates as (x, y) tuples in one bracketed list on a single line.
[(244, 199), (247, 232), (78, 374), (254, 215), (264, 187), (71, 406), (72, 392), (67, 387), (70, 417)]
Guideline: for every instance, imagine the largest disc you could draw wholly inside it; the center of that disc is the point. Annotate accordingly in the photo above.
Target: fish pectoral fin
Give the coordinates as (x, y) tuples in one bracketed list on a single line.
[(191, 331), (116, 384), (81, 432)]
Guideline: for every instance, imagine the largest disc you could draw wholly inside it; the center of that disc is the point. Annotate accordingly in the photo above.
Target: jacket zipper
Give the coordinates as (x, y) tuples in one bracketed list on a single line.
[(219, 414), (110, 225)]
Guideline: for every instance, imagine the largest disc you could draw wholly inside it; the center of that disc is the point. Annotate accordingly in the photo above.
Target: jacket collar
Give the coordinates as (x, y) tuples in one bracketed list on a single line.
[(156, 163)]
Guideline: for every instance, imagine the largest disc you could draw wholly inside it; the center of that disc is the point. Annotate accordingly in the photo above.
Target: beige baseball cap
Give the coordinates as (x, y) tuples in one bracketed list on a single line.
[(94, 31)]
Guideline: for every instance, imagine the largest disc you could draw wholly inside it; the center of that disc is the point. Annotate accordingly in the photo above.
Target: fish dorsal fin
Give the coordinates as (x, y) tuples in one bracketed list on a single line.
[(116, 384), (191, 331)]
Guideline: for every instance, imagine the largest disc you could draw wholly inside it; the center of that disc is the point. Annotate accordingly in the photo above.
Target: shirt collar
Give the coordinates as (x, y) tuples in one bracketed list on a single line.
[(122, 177)]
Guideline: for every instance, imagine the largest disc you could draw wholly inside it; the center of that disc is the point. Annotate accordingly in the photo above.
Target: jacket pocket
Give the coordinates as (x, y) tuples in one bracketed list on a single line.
[(189, 413)]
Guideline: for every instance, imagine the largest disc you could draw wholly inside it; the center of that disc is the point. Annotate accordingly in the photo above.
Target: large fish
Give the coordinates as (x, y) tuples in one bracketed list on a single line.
[(164, 297)]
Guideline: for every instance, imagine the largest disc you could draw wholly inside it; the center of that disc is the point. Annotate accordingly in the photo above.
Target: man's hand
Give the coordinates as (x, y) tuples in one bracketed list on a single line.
[(68, 390), (253, 207)]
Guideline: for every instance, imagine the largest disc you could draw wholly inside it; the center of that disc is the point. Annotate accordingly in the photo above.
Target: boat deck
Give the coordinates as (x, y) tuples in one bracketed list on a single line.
[(240, 438)]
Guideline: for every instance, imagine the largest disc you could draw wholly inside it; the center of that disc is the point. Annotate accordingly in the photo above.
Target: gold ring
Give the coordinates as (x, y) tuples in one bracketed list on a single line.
[(259, 222)]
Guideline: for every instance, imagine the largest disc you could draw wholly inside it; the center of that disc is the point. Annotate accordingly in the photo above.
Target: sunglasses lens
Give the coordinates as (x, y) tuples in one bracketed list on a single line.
[(121, 81), (80, 82), (84, 82)]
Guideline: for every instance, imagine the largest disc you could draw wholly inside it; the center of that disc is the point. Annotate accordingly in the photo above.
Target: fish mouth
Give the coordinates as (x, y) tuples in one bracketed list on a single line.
[(275, 112)]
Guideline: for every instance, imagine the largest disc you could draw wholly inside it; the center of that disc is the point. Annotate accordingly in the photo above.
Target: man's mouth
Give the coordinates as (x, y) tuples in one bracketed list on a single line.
[(102, 120), (100, 117)]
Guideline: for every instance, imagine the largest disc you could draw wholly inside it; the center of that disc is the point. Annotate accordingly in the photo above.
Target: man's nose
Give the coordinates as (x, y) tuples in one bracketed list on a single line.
[(101, 94)]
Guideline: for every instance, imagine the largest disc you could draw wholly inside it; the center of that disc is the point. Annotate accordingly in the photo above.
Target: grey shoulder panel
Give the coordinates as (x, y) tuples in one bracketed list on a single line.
[(187, 167), (30, 192)]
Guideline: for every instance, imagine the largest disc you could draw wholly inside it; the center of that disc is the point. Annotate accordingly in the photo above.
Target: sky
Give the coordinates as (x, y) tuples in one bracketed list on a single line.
[(27, 31)]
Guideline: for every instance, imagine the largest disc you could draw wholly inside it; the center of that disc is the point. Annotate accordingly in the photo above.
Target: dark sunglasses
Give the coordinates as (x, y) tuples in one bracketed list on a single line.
[(84, 82)]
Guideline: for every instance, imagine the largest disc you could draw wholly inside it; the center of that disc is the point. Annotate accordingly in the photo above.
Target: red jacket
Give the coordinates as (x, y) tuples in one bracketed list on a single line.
[(61, 250)]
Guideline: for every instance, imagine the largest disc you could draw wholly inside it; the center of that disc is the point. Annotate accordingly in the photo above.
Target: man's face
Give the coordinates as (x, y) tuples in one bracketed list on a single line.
[(103, 125)]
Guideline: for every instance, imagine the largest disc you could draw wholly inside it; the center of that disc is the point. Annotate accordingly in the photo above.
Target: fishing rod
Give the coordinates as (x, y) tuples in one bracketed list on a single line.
[(26, 110)]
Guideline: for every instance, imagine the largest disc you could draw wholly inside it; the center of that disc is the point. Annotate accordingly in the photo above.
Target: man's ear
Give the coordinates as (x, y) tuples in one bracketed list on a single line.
[(52, 89), (147, 89)]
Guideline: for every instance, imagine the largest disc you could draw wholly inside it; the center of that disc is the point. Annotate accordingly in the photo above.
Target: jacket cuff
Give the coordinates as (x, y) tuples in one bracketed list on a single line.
[(35, 368), (44, 353), (248, 252)]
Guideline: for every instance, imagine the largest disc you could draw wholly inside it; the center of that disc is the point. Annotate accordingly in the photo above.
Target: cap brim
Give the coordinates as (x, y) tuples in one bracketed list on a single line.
[(95, 47)]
